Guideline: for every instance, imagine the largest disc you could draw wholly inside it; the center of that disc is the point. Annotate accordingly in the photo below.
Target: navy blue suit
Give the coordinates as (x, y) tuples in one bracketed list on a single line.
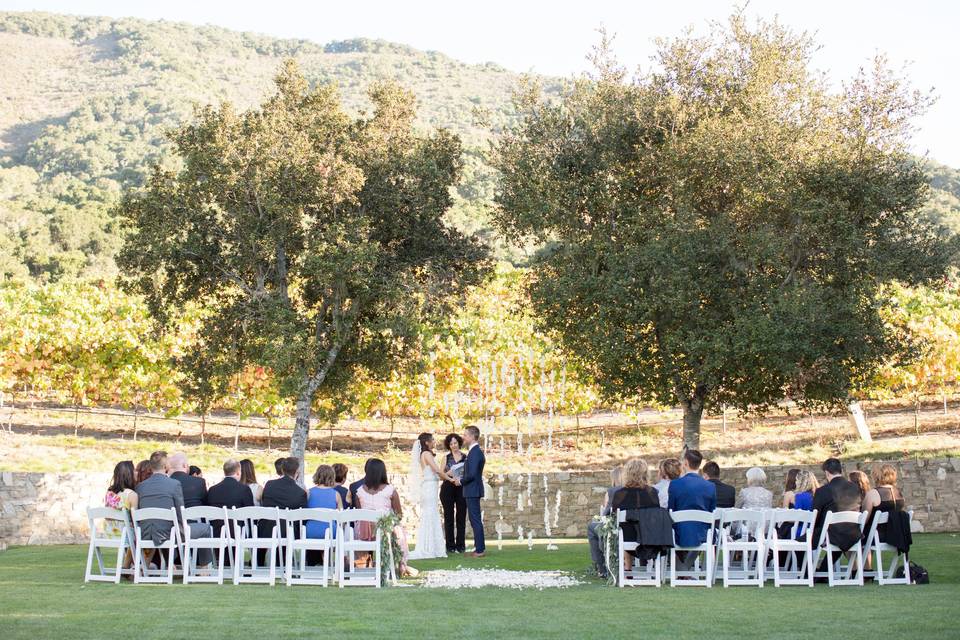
[(690, 491), (472, 482)]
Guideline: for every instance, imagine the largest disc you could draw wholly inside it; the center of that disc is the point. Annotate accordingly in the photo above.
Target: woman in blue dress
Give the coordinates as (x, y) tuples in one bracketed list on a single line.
[(802, 497), (323, 495)]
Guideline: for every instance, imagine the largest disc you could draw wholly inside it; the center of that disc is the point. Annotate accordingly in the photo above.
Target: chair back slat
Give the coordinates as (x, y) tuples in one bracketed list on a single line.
[(693, 515), (154, 513), (205, 514)]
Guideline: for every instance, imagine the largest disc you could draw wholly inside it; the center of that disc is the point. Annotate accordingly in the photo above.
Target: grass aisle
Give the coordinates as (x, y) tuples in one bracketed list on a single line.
[(42, 595)]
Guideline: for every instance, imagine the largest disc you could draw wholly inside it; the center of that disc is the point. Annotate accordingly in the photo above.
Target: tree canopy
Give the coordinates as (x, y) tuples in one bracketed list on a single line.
[(718, 228), (314, 241)]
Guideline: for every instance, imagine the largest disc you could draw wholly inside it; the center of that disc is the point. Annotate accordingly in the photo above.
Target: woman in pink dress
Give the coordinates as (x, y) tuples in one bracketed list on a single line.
[(378, 494)]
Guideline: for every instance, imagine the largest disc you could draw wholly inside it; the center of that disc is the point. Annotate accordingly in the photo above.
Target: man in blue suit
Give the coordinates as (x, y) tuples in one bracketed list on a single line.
[(472, 483), (691, 491)]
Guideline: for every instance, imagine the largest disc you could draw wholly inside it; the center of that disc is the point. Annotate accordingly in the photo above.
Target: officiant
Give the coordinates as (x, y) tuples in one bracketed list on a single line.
[(451, 496)]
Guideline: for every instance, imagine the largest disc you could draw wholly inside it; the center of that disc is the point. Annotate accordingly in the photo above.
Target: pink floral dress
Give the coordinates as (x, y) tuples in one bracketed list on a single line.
[(379, 501)]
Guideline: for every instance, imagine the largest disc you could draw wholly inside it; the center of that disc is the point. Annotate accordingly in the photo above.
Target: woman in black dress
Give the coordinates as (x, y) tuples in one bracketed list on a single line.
[(636, 493), (451, 497)]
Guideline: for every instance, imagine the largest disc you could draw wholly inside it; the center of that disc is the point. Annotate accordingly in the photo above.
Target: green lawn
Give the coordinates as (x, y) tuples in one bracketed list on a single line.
[(42, 595)]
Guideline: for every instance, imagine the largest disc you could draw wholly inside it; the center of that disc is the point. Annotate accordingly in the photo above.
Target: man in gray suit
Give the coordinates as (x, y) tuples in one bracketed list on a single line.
[(162, 492)]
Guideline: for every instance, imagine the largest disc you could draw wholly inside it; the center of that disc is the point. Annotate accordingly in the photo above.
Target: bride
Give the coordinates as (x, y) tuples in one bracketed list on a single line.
[(425, 473)]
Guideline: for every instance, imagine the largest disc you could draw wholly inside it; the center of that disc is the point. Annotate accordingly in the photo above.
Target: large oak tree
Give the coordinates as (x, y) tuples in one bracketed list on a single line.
[(314, 241), (717, 228)]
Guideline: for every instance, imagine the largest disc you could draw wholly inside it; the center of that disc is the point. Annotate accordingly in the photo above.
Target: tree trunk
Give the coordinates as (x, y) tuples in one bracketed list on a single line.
[(301, 426), (692, 413)]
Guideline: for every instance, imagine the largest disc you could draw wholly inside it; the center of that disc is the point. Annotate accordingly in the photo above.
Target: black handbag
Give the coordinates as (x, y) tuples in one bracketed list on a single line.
[(918, 575)]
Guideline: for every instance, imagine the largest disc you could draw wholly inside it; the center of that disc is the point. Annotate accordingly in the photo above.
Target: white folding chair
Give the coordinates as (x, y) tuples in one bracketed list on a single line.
[(742, 531), (699, 574), (244, 521), (298, 544), (647, 575), (222, 543), (101, 519), (348, 545), (881, 574), (172, 545), (849, 564), (798, 546)]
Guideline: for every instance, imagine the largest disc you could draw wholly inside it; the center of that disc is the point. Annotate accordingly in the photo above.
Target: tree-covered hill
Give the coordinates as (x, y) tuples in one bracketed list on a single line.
[(86, 100)]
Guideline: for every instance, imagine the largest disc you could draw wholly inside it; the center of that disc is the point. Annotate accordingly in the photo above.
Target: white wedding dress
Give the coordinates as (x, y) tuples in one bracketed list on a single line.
[(430, 540)]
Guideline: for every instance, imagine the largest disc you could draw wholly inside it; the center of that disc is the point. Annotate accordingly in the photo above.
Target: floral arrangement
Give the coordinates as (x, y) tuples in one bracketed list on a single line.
[(391, 555), (608, 531)]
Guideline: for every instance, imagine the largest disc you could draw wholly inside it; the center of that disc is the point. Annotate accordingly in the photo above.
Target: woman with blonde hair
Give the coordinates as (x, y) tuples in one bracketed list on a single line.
[(862, 480), (884, 496), (636, 493), (669, 470)]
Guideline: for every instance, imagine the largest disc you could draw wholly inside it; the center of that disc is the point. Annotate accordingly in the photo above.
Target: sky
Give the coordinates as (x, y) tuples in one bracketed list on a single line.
[(554, 37)]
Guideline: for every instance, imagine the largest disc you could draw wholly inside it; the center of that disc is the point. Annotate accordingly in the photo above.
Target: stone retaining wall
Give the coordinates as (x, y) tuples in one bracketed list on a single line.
[(50, 508)]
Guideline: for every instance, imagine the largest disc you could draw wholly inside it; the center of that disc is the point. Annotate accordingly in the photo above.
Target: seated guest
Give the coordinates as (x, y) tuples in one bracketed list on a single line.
[(755, 495), (162, 492), (195, 471), (593, 534), (726, 494), (862, 481), (691, 491), (378, 494), (354, 486), (156, 455), (800, 498), (194, 488), (838, 494), (885, 497), (248, 476), (340, 476), (789, 487), (616, 481), (668, 470), (229, 492), (323, 495), (635, 494), (143, 471), (283, 492), (804, 487), (121, 495)]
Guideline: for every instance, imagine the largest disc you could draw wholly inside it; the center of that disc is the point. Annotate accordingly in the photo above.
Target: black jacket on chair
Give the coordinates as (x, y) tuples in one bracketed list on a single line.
[(837, 495), (726, 494), (653, 528), (194, 489)]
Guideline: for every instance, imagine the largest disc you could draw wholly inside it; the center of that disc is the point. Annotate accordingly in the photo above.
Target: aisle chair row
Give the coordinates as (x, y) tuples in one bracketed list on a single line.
[(751, 550), (236, 538)]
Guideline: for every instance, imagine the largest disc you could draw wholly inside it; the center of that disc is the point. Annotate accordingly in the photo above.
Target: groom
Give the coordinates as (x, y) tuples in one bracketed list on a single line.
[(472, 483)]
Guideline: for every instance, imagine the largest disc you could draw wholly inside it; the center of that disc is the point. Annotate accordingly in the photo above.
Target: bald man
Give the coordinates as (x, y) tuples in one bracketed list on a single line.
[(194, 487)]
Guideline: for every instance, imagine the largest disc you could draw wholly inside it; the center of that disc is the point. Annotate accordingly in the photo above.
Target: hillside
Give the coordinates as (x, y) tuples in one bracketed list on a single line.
[(86, 101)]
